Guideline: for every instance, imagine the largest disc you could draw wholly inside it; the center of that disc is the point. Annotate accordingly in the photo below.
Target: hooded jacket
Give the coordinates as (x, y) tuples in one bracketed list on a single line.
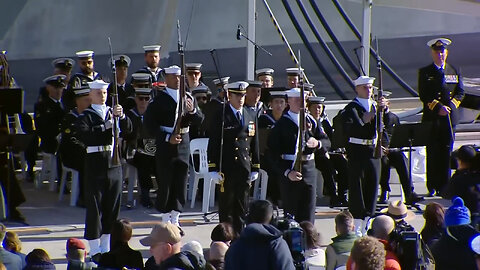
[(260, 246)]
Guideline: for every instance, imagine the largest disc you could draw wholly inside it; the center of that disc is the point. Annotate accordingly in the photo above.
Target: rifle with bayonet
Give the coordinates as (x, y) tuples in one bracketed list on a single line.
[(116, 160), (380, 109), (181, 99), (301, 123)]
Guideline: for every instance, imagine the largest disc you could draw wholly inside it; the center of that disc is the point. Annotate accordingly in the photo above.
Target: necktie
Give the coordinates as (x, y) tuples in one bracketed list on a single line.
[(239, 117)]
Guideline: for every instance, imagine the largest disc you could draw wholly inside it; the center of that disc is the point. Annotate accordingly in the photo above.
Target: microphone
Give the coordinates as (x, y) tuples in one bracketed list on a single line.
[(239, 34)]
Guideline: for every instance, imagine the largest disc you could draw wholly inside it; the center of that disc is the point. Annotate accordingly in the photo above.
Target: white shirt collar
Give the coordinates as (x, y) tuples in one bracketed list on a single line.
[(56, 100), (174, 93), (295, 117), (235, 110), (100, 109), (366, 103), (440, 67)]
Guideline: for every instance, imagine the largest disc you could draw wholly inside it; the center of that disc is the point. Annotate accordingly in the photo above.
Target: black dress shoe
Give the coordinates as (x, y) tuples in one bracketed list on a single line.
[(413, 199), (383, 199), (431, 193)]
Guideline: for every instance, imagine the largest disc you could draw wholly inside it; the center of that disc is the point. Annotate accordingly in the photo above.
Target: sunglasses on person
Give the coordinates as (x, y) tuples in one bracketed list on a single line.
[(201, 98), (144, 98)]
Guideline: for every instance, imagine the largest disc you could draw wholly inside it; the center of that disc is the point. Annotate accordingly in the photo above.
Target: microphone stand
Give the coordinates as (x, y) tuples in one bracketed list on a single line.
[(255, 44)]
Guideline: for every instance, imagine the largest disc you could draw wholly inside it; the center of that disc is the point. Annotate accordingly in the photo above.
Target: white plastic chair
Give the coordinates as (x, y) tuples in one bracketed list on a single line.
[(74, 189), (49, 171), (199, 146)]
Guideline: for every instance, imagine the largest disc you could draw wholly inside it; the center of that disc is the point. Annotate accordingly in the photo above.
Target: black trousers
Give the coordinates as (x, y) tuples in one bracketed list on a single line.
[(233, 202), (399, 161), (103, 189), (299, 197), (333, 169), (439, 151), (171, 180), (145, 165), (364, 177)]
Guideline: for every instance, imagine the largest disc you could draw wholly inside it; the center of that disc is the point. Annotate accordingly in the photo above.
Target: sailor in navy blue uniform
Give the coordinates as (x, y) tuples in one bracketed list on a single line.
[(194, 76), (152, 61), (333, 166), (252, 98), (440, 87), (298, 189), (49, 113), (62, 66), (103, 179), (126, 92), (72, 150), (266, 122), (265, 75), (293, 77), (86, 74), (240, 155), (216, 103), (202, 96), (173, 150), (141, 145), (363, 168)]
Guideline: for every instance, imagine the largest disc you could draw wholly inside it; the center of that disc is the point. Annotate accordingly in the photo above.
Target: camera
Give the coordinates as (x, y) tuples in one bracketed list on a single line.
[(295, 238)]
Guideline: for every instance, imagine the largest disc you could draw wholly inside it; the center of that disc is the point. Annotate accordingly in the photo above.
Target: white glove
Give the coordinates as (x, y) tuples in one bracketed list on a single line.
[(215, 176), (109, 124), (253, 176)]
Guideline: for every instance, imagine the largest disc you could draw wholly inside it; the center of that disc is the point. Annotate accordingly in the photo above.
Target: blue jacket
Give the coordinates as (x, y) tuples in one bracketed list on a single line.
[(260, 246)]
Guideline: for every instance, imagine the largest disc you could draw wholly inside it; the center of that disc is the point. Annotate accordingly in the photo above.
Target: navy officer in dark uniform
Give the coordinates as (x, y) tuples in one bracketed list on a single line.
[(103, 179), (440, 88), (152, 61), (173, 150), (141, 146), (240, 155), (86, 74), (126, 92), (194, 76), (298, 189), (363, 168), (216, 103), (72, 150)]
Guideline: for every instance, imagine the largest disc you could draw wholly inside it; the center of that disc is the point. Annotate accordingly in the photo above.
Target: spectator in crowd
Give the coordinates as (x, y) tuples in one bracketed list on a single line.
[(382, 227), (76, 254), (222, 232), (338, 251), (399, 212), (260, 245), (193, 246), (38, 259), (465, 181), (10, 260), (120, 254), (13, 244), (165, 244), (314, 254), (216, 255), (367, 254), (434, 228), (456, 242)]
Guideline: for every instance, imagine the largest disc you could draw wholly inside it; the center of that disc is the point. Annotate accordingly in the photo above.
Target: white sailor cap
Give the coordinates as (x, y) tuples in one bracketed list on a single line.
[(193, 66), (143, 91), (173, 70), (85, 54), (141, 77), (294, 71), (55, 80), (201, 89), (239, 87), (294, 92), (256, 84), (152, 48), (363, 80), (277, 94), (316, 100), (63, 63), (221, 81), (98, 84), (264, 71), (120, 60), (439, 43)]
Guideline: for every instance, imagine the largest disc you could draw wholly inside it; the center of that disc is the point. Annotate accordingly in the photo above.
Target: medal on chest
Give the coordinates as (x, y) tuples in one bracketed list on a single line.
[(251, 129)]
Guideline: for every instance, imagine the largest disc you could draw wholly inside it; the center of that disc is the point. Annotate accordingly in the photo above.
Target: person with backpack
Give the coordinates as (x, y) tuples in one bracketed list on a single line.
[(360, 131)]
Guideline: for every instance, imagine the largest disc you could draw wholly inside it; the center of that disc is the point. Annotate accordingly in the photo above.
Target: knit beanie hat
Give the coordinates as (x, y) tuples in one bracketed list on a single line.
[(457, 214)]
